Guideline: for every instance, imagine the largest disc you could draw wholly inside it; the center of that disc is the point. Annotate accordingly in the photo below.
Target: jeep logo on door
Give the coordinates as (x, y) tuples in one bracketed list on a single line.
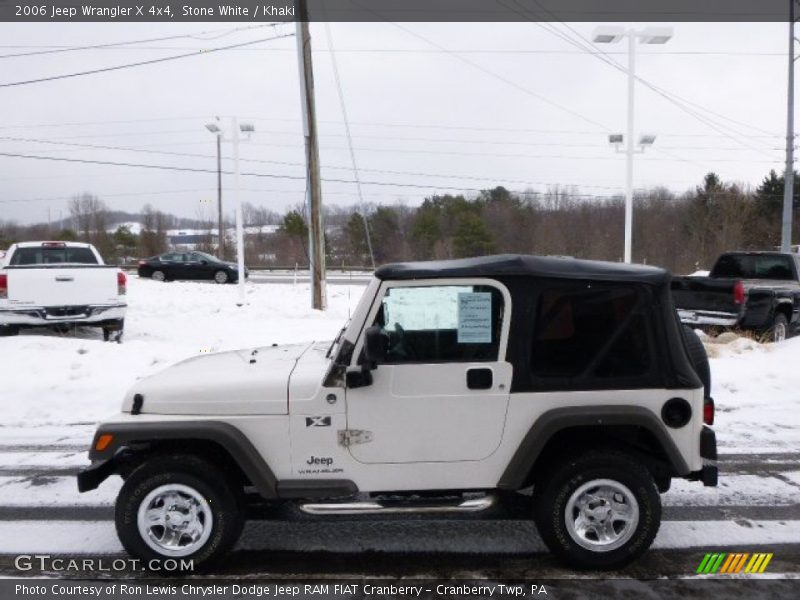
[(318, 421)]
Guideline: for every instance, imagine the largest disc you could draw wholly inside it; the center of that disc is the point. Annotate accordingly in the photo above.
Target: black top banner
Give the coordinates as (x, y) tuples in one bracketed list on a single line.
[(394, 10)]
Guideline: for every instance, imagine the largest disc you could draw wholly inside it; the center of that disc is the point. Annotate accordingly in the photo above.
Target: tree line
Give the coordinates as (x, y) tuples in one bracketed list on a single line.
[(682, 232)]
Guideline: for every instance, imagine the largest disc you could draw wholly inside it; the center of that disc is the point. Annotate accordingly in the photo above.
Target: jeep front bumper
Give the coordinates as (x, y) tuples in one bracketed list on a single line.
[(95, 474)]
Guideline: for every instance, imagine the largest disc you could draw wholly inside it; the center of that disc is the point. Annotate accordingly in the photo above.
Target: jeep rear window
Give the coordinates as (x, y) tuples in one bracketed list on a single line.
[(52, 256), (588, 330), (442, 323)]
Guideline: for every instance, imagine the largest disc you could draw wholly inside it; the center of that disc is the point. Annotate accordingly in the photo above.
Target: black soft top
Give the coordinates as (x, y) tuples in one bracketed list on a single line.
[(525, 265)]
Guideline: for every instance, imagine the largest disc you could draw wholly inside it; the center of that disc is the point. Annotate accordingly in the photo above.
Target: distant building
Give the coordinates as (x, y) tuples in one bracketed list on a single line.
[(190, 239)]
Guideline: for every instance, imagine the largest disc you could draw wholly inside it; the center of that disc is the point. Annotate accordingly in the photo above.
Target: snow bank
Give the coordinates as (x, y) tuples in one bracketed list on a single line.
[(50, 379), (756, 388)]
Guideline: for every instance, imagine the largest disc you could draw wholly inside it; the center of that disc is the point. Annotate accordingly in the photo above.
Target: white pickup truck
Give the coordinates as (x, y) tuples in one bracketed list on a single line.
[(60, 284)]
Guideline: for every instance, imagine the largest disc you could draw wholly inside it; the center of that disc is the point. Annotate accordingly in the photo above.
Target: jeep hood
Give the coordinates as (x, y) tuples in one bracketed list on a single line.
[(253, 381)]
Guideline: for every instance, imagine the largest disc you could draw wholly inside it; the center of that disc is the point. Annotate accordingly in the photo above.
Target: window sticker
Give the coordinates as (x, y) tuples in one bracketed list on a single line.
[(475, 318)]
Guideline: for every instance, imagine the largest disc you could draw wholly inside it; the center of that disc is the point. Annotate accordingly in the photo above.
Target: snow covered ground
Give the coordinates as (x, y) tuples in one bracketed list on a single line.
[(52, 380), (55, 388)]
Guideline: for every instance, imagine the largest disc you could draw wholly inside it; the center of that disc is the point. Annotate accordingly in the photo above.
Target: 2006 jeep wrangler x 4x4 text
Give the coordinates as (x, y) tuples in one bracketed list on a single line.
[(566, 389)]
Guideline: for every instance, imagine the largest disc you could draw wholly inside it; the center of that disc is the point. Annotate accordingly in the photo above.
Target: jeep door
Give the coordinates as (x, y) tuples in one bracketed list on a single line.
[(441, 393)]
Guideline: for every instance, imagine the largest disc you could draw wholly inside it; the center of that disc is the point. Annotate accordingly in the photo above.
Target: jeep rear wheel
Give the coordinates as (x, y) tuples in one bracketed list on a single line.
[(178, 507), (598, 511)]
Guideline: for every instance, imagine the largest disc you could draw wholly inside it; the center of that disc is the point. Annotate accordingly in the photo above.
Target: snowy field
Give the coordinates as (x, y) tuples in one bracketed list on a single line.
[(55, 388)]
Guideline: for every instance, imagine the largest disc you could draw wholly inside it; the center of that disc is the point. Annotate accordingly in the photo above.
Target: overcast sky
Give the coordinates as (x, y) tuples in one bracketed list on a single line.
[(469, 106)]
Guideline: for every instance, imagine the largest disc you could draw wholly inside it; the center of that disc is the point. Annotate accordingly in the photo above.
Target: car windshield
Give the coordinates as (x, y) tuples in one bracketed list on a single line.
[(208, 257), (44, 255), (754, 266)]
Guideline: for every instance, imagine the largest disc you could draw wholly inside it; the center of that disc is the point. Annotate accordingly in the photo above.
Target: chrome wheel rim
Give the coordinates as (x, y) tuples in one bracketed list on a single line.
[(779, 332), (158, 275), (602, 515), (175, 520), (221, 277)]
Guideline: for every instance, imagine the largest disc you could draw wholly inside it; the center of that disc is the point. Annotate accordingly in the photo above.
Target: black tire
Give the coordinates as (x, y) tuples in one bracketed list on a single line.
[(220, 493), (779, 330), (221, 277), (158, 275), (698, 358), (553, 492), (118, 328), (8, 330)]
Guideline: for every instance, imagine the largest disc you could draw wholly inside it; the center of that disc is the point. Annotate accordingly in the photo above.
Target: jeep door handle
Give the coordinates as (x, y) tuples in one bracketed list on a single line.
[(479, 379)]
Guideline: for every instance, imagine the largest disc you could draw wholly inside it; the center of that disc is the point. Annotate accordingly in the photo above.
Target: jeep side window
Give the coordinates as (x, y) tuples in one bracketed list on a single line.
[(586, 330), (446, 323)]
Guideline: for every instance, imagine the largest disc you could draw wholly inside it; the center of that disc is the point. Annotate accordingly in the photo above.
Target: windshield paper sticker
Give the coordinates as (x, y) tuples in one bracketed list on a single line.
[(475, 318)]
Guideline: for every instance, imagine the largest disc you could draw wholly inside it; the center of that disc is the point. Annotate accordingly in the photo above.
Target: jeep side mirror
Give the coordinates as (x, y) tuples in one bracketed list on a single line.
[(376, 345), (359, 378), (203, 262)]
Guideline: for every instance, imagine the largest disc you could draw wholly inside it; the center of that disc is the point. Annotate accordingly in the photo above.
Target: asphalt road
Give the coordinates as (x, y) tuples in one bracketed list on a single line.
[(502, 549)]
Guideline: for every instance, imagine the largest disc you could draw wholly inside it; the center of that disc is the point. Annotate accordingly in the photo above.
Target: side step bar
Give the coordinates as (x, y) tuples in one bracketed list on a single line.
[(371, 508)]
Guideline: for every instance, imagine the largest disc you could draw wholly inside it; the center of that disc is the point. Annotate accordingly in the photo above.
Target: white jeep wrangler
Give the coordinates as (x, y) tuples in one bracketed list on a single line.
[(563, 386)]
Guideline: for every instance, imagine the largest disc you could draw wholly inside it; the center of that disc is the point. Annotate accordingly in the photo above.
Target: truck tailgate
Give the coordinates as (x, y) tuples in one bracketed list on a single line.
[(64, 285), (705, 294)]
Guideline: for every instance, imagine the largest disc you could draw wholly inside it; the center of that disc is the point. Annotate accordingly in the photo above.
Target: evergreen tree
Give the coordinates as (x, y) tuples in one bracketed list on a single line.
[(472, 237)]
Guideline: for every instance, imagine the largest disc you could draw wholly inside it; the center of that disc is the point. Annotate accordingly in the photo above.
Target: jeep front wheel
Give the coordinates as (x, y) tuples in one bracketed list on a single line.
[(598, 511), (178, 507)]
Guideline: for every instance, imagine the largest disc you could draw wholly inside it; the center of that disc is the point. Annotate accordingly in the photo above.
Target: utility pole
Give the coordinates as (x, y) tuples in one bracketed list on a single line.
[(316, 232), (221, 248), (788, 176)]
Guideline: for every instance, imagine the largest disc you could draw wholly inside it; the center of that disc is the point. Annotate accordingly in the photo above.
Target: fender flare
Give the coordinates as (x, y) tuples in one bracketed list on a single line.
[(553, 421), (226, 435)]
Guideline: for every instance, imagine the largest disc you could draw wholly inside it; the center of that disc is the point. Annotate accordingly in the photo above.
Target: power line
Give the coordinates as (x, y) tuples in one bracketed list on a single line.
[(399, 151), (502, 78), (62, 49), (266, 175), (361, 124), (293, 164), (343, 105), (373, 50), (142, 63), (581, 43)]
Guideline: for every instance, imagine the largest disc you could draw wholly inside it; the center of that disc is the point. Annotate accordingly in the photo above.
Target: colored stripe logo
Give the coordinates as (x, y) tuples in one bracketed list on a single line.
[(735, 562)]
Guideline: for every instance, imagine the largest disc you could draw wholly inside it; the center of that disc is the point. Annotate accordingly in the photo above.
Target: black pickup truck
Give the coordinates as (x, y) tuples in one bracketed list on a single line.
[(753, 291)]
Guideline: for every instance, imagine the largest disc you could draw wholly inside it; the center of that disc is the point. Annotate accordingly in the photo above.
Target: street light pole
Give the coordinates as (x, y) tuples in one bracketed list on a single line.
[(235, 138), (219, 198), (612, 35)]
